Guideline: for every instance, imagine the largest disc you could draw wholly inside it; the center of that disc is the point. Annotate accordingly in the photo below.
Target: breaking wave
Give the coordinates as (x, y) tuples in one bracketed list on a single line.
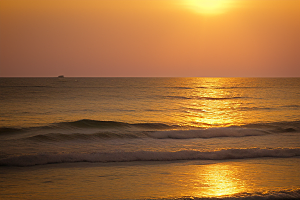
[(49, 158), (92, 129)]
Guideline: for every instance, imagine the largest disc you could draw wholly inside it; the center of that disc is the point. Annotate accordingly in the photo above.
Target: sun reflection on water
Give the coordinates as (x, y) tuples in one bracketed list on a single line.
[(213, 103), (222, 180)]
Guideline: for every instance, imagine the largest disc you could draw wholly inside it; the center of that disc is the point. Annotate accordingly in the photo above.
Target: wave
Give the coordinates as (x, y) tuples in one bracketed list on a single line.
[(292, 106), (58, 137), (184, 88), (6, 130), (171, 134), (233, 87), (25, 86), (88, 123), (203, 98), (270, 195), (177, 97), (92, 129), (276, 127), (255, 108), (219, 98), (207, 133), (195, 110), (102, 157), (167, 134), (236, 87)]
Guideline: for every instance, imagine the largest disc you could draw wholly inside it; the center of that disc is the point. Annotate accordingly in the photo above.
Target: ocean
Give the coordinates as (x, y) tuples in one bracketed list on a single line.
[(150, 138)]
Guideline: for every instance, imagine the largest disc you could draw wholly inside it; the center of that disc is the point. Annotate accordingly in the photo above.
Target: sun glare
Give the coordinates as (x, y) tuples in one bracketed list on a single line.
[(224, 180), (208, 6)]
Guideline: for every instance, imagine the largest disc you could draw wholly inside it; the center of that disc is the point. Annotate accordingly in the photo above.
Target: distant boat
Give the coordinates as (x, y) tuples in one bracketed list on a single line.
[(61, 76)]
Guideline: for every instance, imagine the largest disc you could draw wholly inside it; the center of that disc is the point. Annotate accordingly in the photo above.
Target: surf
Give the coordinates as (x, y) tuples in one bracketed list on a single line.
[(123, 156)]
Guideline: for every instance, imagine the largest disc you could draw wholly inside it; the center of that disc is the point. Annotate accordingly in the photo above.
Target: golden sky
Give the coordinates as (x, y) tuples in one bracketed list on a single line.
[(195, 38)]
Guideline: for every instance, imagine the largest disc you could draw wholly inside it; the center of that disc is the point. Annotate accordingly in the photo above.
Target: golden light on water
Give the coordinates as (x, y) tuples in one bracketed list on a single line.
[(212, 103), (223, 180), (212, 114), (209, 6)]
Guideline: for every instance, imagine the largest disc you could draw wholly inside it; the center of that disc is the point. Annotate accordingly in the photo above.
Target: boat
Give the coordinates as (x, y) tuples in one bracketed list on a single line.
[(61, 76)]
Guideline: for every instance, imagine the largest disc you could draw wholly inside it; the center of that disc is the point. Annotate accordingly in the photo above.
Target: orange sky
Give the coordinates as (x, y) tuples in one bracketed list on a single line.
[(232, 38)]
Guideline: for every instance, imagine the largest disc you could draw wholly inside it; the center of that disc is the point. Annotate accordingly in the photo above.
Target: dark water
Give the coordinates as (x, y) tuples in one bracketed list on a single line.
[(154, 120)]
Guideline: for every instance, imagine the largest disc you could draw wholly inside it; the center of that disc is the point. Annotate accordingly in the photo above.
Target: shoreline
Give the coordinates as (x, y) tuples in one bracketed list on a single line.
[(153, 180)]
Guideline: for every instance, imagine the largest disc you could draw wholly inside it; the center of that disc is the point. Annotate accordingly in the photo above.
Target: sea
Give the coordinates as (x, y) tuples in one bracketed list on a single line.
[(149, 138)]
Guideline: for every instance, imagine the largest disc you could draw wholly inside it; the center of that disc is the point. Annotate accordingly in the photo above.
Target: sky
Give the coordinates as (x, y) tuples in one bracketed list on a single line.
[(150, 38)]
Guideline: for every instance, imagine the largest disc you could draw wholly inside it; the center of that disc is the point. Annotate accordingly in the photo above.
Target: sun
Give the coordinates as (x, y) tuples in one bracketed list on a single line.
[(208, 6)]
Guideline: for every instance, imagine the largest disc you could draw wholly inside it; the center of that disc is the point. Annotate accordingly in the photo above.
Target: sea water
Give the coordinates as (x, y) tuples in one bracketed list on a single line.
[(150, 138)]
